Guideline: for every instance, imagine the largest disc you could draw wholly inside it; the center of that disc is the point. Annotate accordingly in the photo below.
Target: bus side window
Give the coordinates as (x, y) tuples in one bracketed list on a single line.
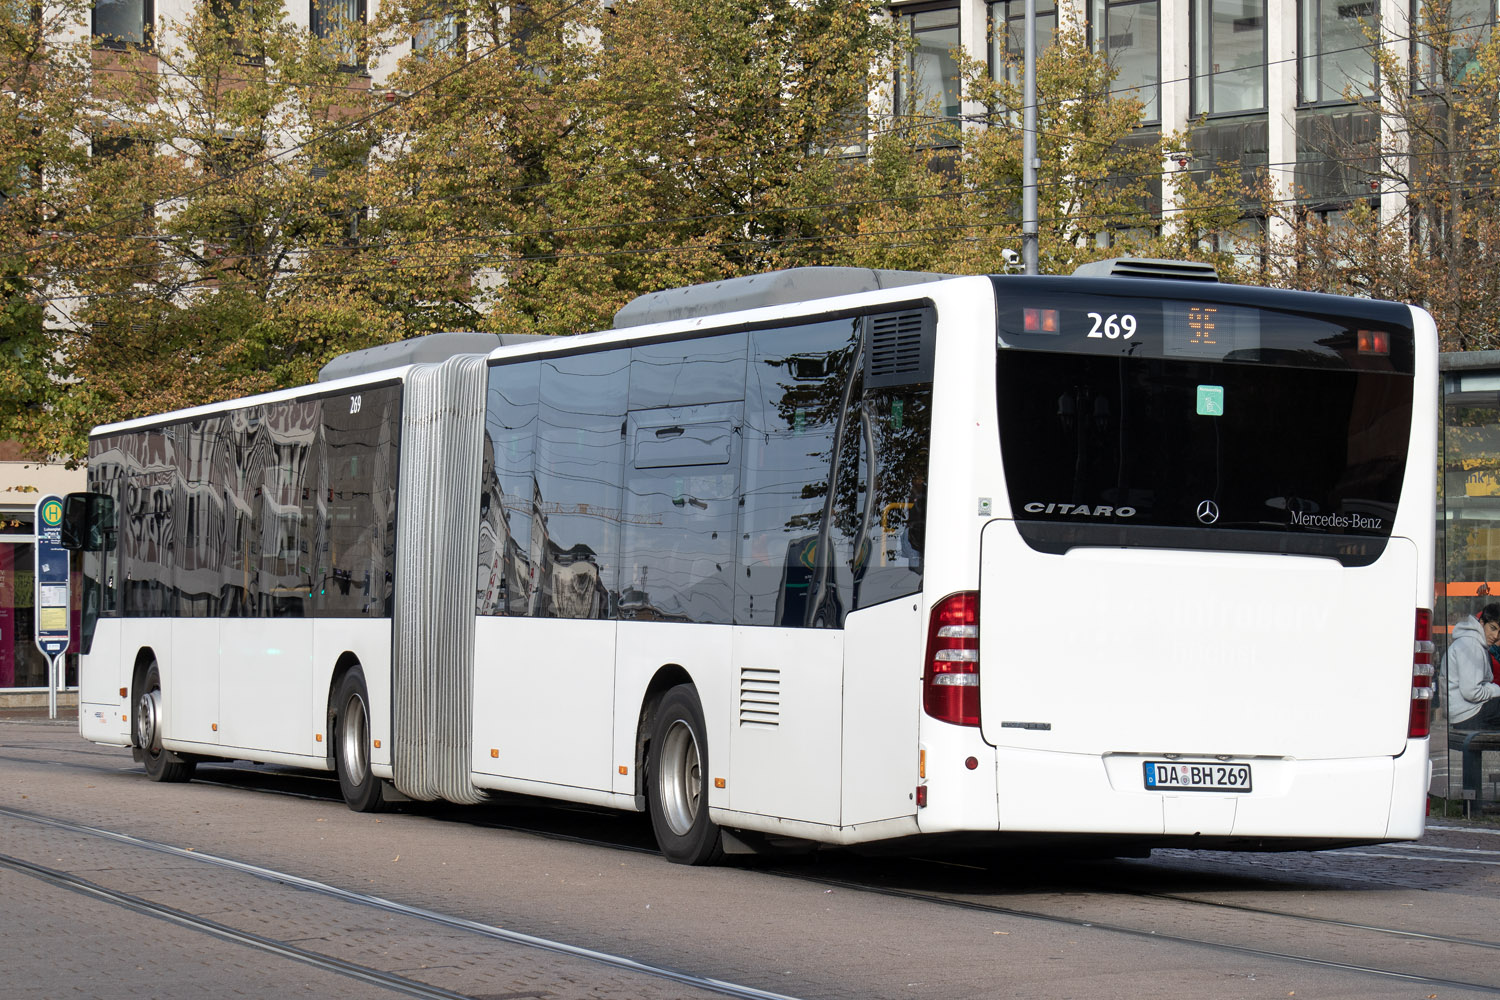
[(357, 476), (677, 552), (580, 448), (794, 389), (896, 427), (508, 513)]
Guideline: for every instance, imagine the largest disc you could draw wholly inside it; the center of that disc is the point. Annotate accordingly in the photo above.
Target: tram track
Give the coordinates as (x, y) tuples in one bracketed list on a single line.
[(349, 896), (874, 887), (258, 942)]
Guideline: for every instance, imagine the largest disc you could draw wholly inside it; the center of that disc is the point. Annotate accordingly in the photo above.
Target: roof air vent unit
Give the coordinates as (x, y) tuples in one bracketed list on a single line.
[(1147, 267), (427, 349), (754, 291)]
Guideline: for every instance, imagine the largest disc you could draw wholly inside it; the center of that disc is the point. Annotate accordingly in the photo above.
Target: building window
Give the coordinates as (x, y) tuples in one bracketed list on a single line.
[(132, 154), (237, 18), (1338, 60), (1229, 56), (1128, 32), (436, 36), (1008, 37), (17, 15), (929, 81), (1444, 50), (1245, 241), (118, 23), (341, 23)]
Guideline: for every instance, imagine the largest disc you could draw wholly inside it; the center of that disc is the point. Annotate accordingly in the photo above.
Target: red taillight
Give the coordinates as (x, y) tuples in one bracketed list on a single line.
[(1421, 677), (950, 680), (1374, 342)]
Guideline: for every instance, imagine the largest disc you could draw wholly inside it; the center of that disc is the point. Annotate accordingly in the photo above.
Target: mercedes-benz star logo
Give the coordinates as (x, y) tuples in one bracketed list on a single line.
[(1208, 512)]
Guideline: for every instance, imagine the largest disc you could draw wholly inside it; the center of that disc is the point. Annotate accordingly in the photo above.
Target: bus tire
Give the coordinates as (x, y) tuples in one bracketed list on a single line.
[(677, 781), (362, 791), (161, 764)]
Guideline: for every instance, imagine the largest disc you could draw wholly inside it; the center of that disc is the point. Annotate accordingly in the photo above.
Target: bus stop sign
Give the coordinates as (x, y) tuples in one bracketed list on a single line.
[(52, 619)]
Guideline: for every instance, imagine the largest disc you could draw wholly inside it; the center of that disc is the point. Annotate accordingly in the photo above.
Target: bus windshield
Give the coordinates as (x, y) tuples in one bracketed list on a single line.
[(1194, 420)]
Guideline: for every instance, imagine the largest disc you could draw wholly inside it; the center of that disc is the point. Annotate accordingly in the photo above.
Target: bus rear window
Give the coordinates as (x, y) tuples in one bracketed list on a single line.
[(1225, 427)]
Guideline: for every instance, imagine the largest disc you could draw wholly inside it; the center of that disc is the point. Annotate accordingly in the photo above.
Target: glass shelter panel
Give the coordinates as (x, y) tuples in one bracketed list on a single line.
[(21, 663), (1469, 572)]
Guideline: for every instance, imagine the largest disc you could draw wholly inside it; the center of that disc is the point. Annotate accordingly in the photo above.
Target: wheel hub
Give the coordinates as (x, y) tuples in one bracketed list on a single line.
[(148, 720), (681, 778), (353, 745)]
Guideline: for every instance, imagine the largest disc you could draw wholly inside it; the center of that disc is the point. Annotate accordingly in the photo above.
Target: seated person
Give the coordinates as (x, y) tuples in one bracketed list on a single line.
[(1473, 695)]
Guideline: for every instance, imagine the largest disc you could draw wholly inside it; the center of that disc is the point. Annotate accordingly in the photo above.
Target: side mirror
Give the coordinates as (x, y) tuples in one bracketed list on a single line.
[(88, 523)]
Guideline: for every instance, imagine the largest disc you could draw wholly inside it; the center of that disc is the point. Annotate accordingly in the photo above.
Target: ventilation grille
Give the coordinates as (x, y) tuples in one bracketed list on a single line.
[(760, 697), (899, 348), (1146, 267)]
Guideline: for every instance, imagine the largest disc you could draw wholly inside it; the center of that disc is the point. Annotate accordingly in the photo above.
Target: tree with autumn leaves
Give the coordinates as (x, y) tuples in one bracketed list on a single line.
[(226, 210), (1435, 155)]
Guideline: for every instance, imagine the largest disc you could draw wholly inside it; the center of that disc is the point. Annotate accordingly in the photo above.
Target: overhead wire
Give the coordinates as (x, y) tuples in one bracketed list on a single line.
[(987, 116), (479, 237), (295, 279), (381, 246)]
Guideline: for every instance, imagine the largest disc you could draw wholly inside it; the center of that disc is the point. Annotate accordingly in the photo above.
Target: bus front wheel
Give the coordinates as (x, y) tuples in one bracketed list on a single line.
[(161, 764), (351, 745), (677, 781)]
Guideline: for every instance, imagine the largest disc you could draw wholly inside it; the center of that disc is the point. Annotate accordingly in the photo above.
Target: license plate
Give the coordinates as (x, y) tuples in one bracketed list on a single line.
[(1196, 776)]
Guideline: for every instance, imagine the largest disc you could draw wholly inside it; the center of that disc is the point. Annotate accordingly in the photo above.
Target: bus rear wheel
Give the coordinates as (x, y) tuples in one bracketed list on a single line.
[(161, 764), (677, 781), (351, 745)]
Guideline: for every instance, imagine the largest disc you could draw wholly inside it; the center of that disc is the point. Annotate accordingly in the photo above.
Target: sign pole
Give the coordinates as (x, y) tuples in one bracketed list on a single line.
[(53, 622)]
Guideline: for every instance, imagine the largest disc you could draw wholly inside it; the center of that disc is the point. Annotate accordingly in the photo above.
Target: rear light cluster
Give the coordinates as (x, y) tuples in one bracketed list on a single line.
[(950, 679), (1421, 678), (1374, 342)]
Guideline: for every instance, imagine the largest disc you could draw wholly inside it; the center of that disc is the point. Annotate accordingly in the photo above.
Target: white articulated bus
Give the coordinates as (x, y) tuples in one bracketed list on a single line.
[(1123, 558)]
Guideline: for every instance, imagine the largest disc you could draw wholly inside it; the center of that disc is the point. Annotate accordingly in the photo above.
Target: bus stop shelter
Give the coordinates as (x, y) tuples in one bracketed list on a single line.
[(1468, 556)]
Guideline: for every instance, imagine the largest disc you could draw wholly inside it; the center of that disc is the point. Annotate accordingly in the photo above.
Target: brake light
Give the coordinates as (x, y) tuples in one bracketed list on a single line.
[(1421, 678), (950, 680)]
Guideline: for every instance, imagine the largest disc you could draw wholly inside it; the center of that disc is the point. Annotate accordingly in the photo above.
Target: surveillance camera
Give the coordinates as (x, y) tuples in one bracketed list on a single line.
[(1010, 256)]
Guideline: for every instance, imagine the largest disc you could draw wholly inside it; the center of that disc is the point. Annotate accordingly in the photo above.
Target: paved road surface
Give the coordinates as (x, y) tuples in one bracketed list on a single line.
[(113, 886)]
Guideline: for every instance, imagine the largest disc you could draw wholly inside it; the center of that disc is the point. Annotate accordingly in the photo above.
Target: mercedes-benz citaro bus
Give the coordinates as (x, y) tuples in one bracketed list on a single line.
[(1121, 559)]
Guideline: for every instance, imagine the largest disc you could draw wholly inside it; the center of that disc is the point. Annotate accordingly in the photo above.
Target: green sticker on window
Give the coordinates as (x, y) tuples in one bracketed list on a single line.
[(1210, 401)]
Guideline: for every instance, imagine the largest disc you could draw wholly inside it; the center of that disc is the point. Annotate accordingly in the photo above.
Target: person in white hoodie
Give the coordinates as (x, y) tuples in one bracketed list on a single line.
[(1473, 695)]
